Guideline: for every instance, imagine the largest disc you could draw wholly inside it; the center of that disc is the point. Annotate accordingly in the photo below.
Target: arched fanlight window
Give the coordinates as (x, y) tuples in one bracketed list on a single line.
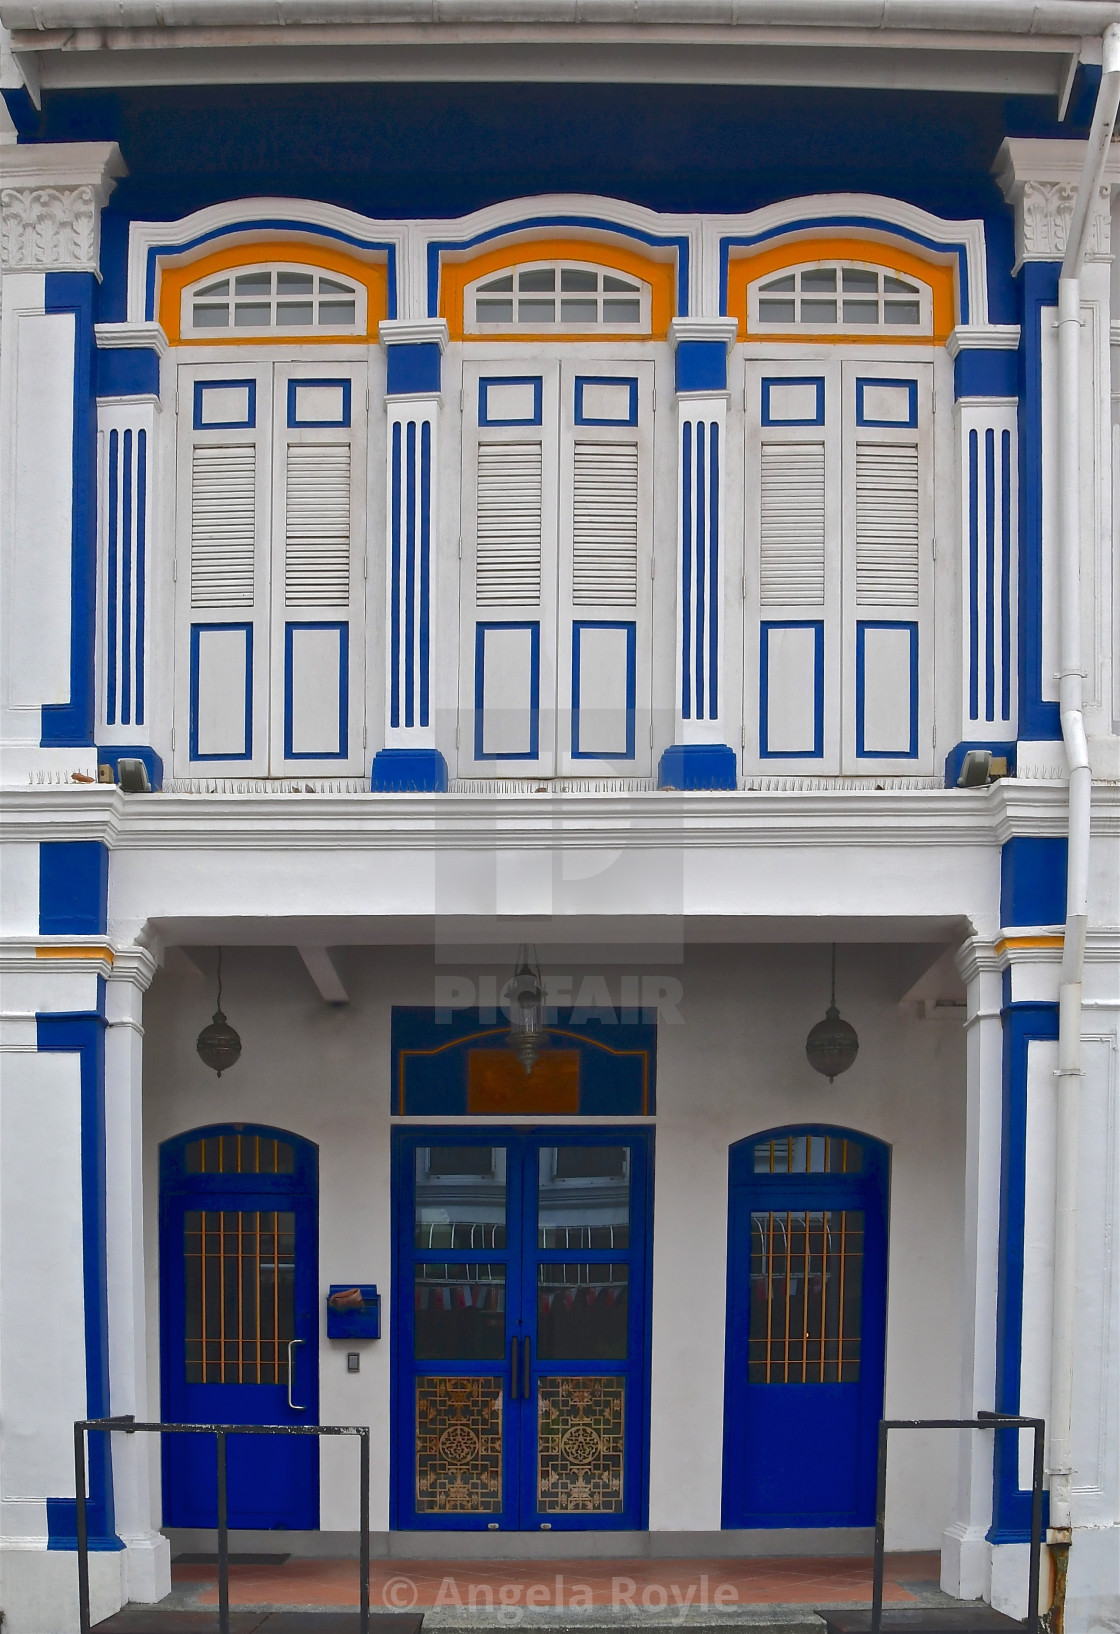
[(280, 299), (846, 297), (565, 296)]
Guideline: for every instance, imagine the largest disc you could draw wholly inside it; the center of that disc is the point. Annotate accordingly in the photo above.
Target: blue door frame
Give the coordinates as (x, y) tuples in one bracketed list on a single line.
[(800, 1454), (521, 1262), (273, 1481)]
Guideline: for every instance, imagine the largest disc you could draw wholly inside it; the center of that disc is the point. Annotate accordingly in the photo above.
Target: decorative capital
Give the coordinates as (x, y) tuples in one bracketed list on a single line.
[(1040, 177), (710, 331), (50, 207)]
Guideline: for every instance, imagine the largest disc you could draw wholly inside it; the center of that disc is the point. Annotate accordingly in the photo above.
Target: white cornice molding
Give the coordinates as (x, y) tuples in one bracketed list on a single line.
[(50, 204), (1039, 176), (705, 329), (128, 336), (414, 332), (983, 337)]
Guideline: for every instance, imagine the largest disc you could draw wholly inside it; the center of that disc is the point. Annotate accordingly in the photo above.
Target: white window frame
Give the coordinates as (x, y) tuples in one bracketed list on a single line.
[(189, 330), (756, 292), (645, 296)]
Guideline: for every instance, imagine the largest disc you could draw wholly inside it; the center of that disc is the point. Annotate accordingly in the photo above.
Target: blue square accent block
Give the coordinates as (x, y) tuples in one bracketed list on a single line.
[(408, 771), (701, 365), (354, 1321), (73, 887), (1032, 881), (698, 766), (412, 368)]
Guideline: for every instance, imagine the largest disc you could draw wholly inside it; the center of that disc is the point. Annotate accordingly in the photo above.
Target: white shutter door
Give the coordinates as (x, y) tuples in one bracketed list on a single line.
[(222, 570), (792, 579), (507, 698), (605, 589), (318, 586), (888, 568)]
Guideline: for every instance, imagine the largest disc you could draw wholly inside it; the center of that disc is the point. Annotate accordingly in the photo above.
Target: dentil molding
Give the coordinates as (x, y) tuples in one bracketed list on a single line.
[(1040, 177), (50, 205)]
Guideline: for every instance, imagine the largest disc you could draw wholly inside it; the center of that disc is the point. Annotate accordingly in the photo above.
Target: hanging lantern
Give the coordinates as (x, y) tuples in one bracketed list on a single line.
[(525, 1003), (219, 1044), (833, 1043)]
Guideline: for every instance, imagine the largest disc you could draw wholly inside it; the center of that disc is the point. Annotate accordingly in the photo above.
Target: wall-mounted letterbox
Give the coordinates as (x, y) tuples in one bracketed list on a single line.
[(353, 1311)]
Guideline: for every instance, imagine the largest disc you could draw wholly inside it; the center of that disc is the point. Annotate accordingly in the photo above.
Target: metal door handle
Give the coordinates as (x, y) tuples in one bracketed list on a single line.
[(513, 1369), (292, 1343), (525, 1360)]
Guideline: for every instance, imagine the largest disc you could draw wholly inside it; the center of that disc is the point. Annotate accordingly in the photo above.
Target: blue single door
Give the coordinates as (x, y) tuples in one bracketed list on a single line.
[(239, 1288), (520, 1327), (806, 1322)]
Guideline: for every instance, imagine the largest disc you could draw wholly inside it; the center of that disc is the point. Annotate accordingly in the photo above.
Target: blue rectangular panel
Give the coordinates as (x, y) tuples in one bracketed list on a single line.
[(887, 403), (606, 400), (502, 403), (201, 683), (322, 676), (318, 403), (73, 887), (589, 739), (225, 405), (1033, 881), (883, 695), (786, 646), (793, 401), (488, 742)]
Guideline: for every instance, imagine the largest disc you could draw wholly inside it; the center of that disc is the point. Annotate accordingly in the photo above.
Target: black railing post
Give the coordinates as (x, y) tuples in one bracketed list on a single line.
[(1036, 1525), (223, 1536), (880, 1531), (82, 1525), (363, 1521)]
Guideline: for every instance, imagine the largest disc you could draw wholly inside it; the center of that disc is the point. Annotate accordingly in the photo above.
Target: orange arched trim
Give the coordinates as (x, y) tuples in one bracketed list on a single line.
[(743, 271), (372, 274), (454, 276)]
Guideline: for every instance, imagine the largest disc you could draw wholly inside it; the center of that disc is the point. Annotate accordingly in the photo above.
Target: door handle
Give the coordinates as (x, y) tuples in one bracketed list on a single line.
[(525, 1360), (292, 1343), (513, 1369)]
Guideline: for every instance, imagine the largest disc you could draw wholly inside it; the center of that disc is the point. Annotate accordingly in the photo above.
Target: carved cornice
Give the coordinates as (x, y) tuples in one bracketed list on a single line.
[(1039, 177), (50, 205)]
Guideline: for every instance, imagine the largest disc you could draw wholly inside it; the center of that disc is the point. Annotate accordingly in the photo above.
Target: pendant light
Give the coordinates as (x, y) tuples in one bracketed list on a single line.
[(833, 1044), (219, 1044), (525, 1003)]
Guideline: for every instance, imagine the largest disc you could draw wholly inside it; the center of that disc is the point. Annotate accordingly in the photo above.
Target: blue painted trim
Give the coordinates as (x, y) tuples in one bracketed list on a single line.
[(862, 626), (408, 771), (1022, 1025), (973, 576), (73, 887), (698, 766), (412, 369), (126, 579), (240, 229), (481, 632), (911, 387), (343, 750), (71, 724), (425, 568), (792, 229), (700, 365), (294, 387), (84, 1035), (203, 386), (112, 754), (686, 570), (513, 228), (534, 380), (131, 371), (986, 374), (770, 419), (395, 513), (954, 760), (702, 588), (990, 574), (714, 569), (112, 557), (1005, 575), (631, 686), (1038, 718), (582, 419), (141, 568), (196, 631), (1032, 881), (764, 750), (410, 574)]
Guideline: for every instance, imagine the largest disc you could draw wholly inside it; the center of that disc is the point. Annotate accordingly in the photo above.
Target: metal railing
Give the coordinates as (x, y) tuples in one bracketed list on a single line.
[(127, 1425), (982, 1421)]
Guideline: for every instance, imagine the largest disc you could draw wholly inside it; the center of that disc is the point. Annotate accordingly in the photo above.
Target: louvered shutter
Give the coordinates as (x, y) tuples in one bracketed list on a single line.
[(508, 571), (319, 535), (605, 581), (222, 570), (888, 568)]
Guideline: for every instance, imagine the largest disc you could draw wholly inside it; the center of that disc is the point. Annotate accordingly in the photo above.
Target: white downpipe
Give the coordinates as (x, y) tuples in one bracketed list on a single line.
[(1070, 694)]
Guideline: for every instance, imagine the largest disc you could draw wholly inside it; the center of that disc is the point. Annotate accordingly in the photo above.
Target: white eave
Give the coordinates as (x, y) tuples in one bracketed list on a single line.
[(980, 45)]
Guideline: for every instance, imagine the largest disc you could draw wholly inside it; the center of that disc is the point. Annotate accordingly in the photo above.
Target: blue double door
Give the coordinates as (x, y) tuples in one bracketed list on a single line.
[(521, 1329), (239, 1323)]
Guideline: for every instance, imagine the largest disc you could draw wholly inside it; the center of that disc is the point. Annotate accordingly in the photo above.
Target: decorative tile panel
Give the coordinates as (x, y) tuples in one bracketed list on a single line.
[(459, 1445), (580, 1445)]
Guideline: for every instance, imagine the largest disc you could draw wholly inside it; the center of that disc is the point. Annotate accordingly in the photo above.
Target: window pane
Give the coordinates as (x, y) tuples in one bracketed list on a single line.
[(336, 313), (902, 312), (248, 316), (816, 278), (861, 312), (334, 287), (493, 311), (295, 312), (898, 286), (537, 278), (583, 1197), (573, 278), (495, 285), (581, 311), (460, 1312), (461, 1197), (582, 1312), (611, 282), (287, 281), (211, 317), (860, 278), (788, 282), (808, 1154), (818, 311), (620, 311), (771, 311), (240, 1154), (536, 311), (253, 283), (220, 288)]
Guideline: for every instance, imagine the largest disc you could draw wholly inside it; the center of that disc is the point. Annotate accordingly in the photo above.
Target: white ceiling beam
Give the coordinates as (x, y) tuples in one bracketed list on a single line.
[(323, 972)]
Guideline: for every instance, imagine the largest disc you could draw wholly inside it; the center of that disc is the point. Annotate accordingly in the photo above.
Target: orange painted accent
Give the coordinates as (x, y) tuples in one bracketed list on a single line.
[(743, 270), (454, 276), (497, 1082), (173, 280), (1008, 944), (105, 953)]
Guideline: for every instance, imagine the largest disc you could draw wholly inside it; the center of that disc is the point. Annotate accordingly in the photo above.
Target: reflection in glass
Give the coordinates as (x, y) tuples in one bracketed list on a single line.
[(460, 1312), (583, 1197), (461, 1197), (582, 1312)]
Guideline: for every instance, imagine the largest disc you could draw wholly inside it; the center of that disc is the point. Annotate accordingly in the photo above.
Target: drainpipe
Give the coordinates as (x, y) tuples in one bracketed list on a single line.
[(1070, 676)]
